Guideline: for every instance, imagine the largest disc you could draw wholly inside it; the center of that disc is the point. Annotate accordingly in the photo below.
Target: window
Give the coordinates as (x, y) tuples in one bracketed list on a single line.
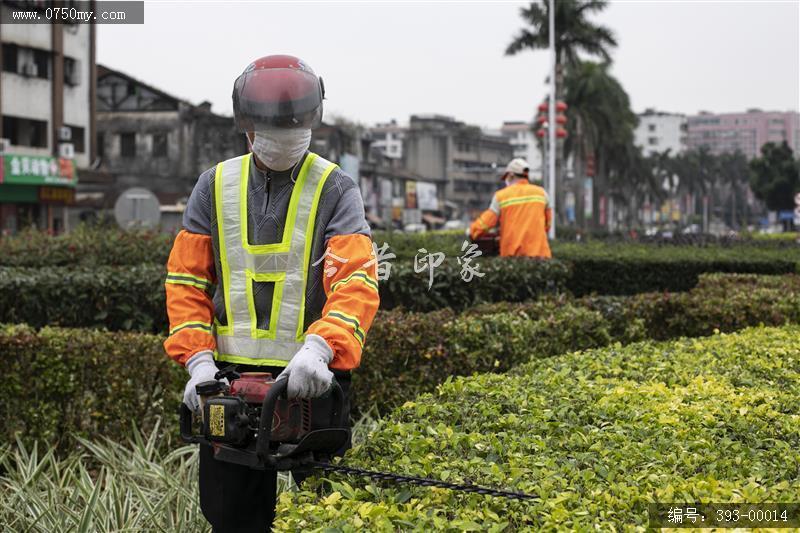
[(10, 57), (127, 144), (651, 127), (101, 144), (41, 59), (160, 144), (77, 139), (25, 132), (30, 62), (71, 72), (652, 141)]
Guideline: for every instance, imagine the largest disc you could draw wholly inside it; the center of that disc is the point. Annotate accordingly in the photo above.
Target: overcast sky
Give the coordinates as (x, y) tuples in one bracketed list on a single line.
[(389, 60)]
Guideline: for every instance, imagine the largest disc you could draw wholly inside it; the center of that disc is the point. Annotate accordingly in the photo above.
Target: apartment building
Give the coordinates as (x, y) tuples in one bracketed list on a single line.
[(47, 95)]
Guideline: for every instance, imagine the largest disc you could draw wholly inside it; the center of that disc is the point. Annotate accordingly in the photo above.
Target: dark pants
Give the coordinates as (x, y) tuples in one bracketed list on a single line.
[(237, 499)]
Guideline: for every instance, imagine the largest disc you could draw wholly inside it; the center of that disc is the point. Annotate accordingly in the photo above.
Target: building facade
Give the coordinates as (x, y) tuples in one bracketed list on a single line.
[(659, 131), (746, 132), (525, 145), (47, 102), (148, 138), (387, 138), (465, 159)]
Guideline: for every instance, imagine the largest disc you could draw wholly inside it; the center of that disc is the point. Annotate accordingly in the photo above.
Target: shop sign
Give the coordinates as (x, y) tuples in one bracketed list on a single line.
[(37, 170)]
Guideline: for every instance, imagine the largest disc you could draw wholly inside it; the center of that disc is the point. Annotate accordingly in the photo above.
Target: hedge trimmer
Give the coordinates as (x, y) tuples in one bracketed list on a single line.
[(252, 423)]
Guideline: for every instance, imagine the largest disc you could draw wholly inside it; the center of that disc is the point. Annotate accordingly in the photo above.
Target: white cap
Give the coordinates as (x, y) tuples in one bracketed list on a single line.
[(517, 166)]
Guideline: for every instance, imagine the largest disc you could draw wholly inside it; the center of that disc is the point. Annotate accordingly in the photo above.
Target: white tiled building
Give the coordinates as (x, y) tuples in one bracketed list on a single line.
[(658, 131)]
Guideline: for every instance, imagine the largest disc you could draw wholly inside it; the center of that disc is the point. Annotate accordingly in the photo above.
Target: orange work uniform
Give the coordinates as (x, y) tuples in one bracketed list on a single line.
[(523, 212)]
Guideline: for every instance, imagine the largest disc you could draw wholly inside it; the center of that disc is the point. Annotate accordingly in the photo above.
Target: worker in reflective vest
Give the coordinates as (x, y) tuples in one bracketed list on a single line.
[(523, 212), (274, 270)]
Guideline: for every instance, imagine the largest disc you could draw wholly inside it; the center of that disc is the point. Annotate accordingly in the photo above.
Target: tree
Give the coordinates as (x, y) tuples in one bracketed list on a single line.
[(734, 172), (575, 33), (774, 177), (601, 123)]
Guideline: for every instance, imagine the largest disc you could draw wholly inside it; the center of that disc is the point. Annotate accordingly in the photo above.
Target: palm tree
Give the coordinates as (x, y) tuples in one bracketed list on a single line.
[(575, 33), (734, 172), (600, 123)]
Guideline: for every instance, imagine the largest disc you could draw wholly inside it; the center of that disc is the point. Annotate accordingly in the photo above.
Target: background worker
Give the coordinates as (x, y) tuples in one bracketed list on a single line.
[(522, 210), (281, 236)]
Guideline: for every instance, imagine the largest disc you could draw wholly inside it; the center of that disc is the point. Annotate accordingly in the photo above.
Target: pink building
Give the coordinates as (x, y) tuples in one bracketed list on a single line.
[(746, 132)]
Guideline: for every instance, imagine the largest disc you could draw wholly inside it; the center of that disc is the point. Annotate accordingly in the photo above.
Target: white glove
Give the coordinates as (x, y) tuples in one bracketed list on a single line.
[(308, 372), (201, 368)]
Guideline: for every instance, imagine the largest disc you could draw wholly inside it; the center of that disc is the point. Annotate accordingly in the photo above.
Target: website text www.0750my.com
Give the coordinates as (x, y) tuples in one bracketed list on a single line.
[(66, 15)]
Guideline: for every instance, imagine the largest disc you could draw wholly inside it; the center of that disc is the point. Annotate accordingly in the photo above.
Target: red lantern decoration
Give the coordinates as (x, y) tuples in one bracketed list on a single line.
[(543, 107), (561, 107), (561, 133), (561, 119), (590, 165), (541, 133)]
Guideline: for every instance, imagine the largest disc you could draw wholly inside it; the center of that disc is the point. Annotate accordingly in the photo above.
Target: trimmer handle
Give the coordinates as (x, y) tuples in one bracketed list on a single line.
[(186, 425), (278, 390)]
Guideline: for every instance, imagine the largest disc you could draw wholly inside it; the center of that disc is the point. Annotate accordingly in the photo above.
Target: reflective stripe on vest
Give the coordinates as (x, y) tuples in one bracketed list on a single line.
[(524, 200), (284, 263)]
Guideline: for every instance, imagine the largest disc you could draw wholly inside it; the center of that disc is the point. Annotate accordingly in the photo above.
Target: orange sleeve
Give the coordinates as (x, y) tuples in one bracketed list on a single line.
[(548, 218), (190, 277), (483, 223), (352, 299)]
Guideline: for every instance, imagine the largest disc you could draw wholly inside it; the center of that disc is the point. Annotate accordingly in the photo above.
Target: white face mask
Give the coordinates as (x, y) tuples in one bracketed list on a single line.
[(280, 149)]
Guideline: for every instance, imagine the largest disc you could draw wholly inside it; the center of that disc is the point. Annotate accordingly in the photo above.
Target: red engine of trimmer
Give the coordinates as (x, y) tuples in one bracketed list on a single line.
[(252, 423)]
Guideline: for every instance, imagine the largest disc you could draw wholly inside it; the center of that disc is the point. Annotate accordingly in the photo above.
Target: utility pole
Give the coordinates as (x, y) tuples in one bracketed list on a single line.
[(551, 130)]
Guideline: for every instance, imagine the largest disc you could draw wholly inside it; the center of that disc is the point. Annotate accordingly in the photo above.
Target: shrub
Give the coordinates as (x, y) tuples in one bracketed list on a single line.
[(582, 268), (504, 279), (113, 297), (410, 353), (596, 435), (62, 381), (85, 245), (406, 354)]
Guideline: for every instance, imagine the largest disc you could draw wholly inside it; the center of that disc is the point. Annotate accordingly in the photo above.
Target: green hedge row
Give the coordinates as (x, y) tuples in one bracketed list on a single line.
[(595, 435), (59, 381), (406, 353), (112, 297), (85, 245), (132, 297), (507, 279), (108, 245), (410, 353)]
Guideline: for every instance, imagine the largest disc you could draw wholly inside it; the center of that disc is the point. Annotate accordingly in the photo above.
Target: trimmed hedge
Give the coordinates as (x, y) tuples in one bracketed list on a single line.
[(406, 353), (119, 261), (632, 276), (634, 268), (410, 353), (133, 298), (85, 245), (507, 279), (109, 245), (113, 297), (58, 382), (596, 435)]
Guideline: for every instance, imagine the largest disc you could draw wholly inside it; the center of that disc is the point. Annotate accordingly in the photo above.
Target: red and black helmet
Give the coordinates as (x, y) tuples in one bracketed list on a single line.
[(277, 91)]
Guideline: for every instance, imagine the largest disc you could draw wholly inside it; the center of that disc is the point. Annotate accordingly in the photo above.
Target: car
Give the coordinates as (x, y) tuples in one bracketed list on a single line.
[(454, 224), (415, 228)]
